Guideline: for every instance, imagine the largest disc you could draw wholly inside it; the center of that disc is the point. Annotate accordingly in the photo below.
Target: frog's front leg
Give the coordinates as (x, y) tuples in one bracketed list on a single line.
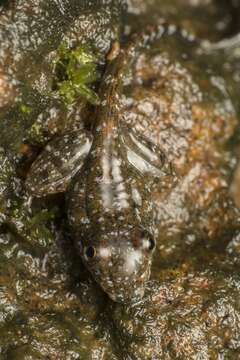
[(59, 161)]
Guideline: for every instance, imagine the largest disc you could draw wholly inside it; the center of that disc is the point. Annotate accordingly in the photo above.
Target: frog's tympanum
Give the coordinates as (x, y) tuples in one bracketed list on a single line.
[(150, 168)]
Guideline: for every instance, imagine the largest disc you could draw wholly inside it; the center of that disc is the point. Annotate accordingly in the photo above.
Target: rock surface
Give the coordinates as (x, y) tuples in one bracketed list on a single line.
[(50, 308)]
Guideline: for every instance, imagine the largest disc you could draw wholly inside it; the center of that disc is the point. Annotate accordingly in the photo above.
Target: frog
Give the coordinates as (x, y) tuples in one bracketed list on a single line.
[(151, 167)]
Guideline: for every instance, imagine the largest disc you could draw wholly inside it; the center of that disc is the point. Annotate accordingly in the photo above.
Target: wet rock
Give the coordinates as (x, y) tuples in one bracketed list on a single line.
[(188, 14), (30, 31), (193, 316), (42, 314), (10, 185), (49, 305)]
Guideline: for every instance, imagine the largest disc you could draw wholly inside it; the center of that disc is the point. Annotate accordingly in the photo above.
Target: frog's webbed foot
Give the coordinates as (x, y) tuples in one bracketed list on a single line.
[(60, 160)]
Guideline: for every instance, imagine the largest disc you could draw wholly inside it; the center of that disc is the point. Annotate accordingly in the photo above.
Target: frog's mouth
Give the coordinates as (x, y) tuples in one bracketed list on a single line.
[(132, 297)]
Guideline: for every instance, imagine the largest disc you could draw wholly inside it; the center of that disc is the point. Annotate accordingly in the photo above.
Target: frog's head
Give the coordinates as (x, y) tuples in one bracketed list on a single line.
[(120, 261)]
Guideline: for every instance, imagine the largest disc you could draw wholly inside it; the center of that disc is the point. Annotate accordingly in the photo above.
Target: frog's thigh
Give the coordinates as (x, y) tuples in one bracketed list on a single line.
[(60, 160)]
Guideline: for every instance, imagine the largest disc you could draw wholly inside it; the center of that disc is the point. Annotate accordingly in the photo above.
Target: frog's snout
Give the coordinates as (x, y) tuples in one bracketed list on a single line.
[(127, 273)]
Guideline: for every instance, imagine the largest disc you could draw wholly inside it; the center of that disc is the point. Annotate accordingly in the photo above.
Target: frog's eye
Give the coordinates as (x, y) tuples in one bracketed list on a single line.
[(151, 243), (89, 252), (148, 241)]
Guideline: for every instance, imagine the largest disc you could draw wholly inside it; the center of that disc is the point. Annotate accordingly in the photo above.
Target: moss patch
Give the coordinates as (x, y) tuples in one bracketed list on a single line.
[(76, 71)]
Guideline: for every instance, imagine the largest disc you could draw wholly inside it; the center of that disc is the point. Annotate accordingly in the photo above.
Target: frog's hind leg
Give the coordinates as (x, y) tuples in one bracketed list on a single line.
[(59, 161), (144, 155)]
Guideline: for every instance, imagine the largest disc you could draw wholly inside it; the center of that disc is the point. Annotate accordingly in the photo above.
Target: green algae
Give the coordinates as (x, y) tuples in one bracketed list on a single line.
[(80, 69), (25, 109)]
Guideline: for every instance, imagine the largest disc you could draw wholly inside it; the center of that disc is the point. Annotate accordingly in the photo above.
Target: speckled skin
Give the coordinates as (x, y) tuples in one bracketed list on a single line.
[(153, 167)]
